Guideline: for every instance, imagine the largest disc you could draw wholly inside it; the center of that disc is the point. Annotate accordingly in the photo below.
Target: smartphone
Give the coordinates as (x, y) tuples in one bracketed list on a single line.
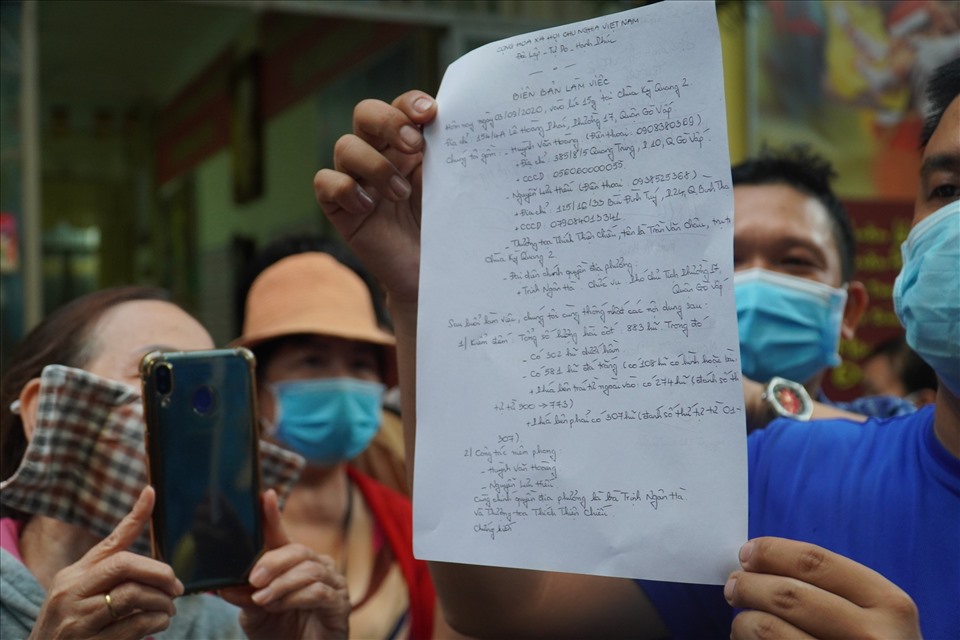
[(203, 460)]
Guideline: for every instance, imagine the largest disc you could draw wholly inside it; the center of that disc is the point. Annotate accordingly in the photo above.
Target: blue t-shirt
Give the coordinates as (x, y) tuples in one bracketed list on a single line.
[(885, 493), (872, 406)]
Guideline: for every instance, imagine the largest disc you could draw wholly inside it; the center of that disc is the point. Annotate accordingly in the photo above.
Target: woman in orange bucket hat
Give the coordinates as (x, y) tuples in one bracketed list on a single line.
[(323, 363)]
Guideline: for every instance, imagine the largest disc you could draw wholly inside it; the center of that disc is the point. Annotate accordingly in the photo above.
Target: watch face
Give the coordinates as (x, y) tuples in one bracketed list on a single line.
[(788, 399)]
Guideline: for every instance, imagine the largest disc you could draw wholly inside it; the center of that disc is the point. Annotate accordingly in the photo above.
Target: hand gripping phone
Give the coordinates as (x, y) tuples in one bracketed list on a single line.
[(203, 461)]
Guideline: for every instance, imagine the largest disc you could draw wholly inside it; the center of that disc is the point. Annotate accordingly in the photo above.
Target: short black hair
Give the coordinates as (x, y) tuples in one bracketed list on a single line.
[(942, 88), (809, 173), (912, 372)]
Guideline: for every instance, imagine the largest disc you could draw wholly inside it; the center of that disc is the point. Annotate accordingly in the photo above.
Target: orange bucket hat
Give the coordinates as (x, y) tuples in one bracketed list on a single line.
[(313, 293)]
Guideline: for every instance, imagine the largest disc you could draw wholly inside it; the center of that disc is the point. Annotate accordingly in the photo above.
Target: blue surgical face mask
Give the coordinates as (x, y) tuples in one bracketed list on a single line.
[(926, 294), (327, 420), (789, 326)]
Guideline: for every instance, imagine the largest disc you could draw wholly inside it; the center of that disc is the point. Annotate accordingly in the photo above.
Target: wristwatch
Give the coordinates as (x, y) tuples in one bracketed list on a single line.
[(788, 399)]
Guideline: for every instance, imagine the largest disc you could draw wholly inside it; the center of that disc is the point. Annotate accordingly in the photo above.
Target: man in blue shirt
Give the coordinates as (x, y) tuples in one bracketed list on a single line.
[(793, 249), (867, 516)]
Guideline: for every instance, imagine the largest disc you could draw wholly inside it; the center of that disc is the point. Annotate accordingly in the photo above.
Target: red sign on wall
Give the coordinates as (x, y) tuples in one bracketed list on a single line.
[(880, 228)]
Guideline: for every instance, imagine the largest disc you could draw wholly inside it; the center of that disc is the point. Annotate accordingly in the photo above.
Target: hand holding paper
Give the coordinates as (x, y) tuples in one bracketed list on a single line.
[(373, 196)]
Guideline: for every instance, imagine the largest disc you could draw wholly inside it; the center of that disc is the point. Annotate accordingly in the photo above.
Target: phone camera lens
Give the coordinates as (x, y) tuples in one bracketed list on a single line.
[(203, 400), (164, 378)]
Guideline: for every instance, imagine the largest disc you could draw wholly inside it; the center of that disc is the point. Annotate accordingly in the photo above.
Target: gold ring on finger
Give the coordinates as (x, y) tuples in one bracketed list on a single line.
[(109, 601)]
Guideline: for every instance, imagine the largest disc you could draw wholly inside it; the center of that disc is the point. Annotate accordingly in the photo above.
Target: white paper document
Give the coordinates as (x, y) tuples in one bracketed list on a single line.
[(580, 406)]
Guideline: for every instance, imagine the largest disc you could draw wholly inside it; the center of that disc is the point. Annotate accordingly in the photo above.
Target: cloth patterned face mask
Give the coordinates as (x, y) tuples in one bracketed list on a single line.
[(86, 462)]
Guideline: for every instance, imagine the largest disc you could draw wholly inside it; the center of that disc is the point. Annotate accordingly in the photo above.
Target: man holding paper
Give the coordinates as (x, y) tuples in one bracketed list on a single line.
[(788, 587)]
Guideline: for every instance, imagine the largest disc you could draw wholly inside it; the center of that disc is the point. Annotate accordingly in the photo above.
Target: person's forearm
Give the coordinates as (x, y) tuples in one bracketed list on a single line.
[(404, 319), (823, 411), (496, 602), (759, 413), (470, 593)]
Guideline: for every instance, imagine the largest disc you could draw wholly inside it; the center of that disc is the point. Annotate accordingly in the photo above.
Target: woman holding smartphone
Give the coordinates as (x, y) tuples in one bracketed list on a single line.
[(61, 576)]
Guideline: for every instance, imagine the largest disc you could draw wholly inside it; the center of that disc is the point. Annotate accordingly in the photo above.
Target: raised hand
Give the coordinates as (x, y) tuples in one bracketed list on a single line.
[(793, 589), (373, 195), (111, 592), (293, 592)]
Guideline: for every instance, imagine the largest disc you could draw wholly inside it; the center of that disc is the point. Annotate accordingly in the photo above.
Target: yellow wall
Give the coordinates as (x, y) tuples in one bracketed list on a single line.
[(289, 164), (733, 43)]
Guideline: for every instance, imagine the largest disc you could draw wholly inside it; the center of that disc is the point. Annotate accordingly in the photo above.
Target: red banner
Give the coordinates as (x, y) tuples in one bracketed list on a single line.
[(880, 228)]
